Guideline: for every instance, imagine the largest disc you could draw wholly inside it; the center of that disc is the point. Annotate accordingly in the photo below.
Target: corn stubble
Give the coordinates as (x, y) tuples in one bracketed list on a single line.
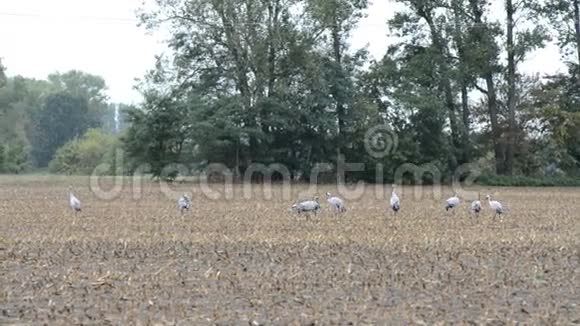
[(251, 261)]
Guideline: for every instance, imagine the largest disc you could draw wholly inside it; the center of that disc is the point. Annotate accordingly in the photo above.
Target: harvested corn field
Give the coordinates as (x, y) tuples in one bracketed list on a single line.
[(130, 260)]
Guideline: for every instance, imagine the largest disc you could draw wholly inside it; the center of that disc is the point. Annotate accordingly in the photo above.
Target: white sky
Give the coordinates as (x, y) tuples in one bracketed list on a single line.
[(38, 37)]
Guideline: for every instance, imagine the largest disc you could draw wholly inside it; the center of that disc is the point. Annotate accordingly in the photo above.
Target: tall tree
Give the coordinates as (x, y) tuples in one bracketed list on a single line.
[(406, 86), (255, 68), (158, 135), (19, 101), (87, 86), (225, 49), (62, 118), (484, 53), (564, 17), (335, 19), (518, 44), (511, 80), (465, 71), (428, 11)]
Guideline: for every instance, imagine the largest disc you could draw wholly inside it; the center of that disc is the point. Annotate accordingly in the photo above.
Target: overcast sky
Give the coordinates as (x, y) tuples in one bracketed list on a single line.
[(38, 37)]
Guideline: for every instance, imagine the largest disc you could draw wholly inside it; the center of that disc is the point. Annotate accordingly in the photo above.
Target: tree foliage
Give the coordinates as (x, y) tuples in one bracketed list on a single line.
[(39, 116), (278, 81), (84, 154)]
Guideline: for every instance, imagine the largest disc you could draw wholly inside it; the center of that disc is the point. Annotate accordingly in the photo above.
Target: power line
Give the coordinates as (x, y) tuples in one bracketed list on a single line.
[(85, 18), (134, 21)]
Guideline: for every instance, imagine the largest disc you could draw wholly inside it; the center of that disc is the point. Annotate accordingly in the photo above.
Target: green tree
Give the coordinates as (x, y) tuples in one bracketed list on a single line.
[(157, 135), (518, 45), (334, 21), (86, 86), (17, 104), (415, 109), (556, 104), (256, 73), (564, 17), (483, 54), (16, 157), (62, 117)]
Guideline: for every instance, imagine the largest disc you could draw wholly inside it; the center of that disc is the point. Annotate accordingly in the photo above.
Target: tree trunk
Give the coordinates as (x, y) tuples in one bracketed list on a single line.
[(576, 5), (511, 137), (445, 84), (480, 32), (464, 81), (496, 133), (465, 116), (450, 104), (340, 110), (273, 13)]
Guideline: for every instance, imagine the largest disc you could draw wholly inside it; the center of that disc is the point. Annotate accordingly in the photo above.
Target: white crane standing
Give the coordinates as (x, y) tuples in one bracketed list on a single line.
[(395, 203), (476, 205), (452, 202), (74, 202), (336, 203), (495, 205), (183, 203)]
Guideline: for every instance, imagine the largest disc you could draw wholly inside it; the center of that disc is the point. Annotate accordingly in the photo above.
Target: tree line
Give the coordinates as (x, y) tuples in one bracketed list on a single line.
[(278, 81), (41, 120)]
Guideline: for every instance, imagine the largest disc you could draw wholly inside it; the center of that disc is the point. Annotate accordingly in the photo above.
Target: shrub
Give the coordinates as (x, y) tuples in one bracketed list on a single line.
[(83, 155), (13, 158)]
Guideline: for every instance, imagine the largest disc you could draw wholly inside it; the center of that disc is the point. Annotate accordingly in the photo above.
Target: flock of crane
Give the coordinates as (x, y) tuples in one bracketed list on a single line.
[(451, 203), (336, 203)]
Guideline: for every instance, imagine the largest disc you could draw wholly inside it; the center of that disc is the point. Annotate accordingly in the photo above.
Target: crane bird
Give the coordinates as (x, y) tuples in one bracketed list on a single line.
[(395, 202), (307, 206), (452, 202), (74, 202), (476, 205), (183, 203), (335, 203), (495, 205)]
